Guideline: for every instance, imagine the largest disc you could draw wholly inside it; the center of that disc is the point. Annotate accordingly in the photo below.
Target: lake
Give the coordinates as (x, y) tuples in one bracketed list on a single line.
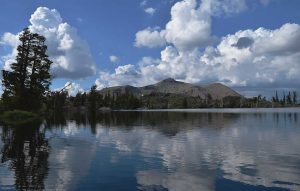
[(195, 150)]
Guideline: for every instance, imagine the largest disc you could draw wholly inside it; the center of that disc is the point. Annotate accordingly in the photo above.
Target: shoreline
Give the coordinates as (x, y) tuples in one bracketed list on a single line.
[(220, 110)]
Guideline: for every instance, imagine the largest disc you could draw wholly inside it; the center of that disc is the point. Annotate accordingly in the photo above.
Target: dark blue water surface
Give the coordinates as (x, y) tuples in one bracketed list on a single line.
[(195, 150)]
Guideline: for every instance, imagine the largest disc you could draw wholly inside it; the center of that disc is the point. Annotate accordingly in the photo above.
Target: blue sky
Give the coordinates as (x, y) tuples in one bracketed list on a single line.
[(114, 55)]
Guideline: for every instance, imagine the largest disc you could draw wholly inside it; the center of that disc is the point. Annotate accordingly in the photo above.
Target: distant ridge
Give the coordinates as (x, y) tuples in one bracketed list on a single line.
[(171, 86)]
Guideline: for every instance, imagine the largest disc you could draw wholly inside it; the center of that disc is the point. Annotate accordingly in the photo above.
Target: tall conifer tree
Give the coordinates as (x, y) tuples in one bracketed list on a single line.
[(29, 79)]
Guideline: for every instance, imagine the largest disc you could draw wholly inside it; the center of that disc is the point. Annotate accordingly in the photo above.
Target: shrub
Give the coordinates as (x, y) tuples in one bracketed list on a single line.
[(17, 117)]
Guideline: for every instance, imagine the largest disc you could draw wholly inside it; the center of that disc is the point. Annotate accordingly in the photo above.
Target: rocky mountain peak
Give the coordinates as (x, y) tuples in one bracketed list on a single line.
[(168, 80)]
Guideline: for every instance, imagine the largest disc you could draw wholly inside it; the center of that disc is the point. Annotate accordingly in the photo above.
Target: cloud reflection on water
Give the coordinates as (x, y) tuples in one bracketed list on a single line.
[(173, 151), (255, 149)]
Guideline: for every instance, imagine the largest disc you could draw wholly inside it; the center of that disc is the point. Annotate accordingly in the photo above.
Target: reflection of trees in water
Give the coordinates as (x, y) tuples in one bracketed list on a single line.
[(169, 123), (290, 119), (27, 150), (56, 119)]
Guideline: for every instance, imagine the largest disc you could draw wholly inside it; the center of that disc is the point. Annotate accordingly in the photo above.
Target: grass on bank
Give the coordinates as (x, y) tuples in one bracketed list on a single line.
[(18, 117)]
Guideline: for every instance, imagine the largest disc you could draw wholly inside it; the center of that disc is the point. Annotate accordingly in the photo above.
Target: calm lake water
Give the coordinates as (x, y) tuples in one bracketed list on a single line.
[(195, 150)]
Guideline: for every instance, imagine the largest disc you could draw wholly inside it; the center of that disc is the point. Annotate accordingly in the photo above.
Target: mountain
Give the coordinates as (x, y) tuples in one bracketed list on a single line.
[(175, 88), (118, 90), (171, 86), (219, 91)]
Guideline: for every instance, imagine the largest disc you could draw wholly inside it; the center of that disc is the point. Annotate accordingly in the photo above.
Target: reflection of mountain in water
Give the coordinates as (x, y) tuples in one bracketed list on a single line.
[(26, 150), (169, 123)]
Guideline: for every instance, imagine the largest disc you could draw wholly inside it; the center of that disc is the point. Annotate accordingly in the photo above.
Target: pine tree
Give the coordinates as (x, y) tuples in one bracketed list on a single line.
[(283, 99), (289, 98), (28, 81), (92, 97), (294, 97), (276, 97), (185, 103)]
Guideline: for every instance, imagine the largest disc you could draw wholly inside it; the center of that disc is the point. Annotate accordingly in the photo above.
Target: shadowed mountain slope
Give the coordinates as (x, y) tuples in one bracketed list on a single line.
[(171, 86)]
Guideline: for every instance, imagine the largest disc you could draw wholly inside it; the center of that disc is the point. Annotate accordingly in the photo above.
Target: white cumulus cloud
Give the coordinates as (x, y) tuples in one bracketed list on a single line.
[(70, 54), (150, 10), (123, 75), (114, 59), (248, 58), (190, 23), (9, 39), (150, 38), (143, 3)]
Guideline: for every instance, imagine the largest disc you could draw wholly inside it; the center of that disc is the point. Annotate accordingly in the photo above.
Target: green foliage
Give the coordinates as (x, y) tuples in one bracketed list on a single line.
[(185, 103), (29, 79), (289, 98), (294, 97), (286, 101), (92, 98), (18, 117), (125, 101), (232, 102), (95, 100), (55, 101), (79, 99)]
